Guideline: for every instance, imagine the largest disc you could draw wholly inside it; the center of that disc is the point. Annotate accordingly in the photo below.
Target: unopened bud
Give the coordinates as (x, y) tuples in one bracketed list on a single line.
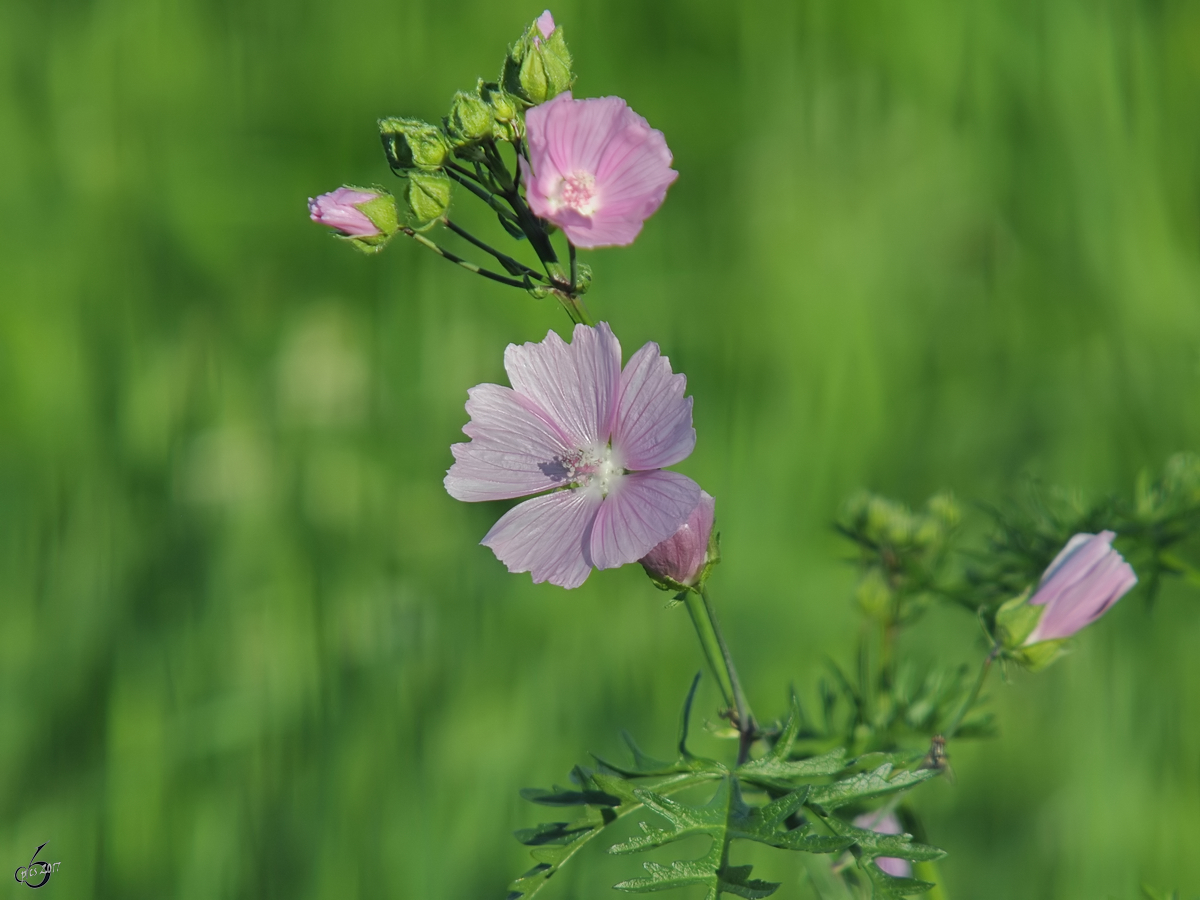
[(364, 216), (538, 66), (412, 144), (470, 120), (427, 196), (1086, 578), (507, 125), (683, 561)]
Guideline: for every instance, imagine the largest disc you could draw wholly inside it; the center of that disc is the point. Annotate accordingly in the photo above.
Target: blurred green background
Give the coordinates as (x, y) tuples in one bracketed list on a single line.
[(251, 647)]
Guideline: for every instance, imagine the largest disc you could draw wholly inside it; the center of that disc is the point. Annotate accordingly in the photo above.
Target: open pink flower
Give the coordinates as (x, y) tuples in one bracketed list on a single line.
[(597, 437), (886, 822), (1086, 578), (339, 209), (596, 168)]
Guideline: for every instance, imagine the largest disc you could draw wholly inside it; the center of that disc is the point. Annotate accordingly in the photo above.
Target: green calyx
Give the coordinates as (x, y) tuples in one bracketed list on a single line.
[(471, 120), (1015, 621), (412, 144), (538, 68), (1038, 656), (427, 195), (506, 112), (382, 213)]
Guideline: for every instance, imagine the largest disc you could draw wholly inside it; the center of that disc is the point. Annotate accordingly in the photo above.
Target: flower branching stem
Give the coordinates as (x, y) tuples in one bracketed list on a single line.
[(720, 660), (458, 260), (984, 669)]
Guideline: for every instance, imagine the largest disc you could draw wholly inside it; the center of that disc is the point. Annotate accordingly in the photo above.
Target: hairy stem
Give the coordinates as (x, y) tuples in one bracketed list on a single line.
[(716, 651)]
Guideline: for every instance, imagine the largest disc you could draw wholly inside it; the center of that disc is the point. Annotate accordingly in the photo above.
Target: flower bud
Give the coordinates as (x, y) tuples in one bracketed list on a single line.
[(470, 121), (538, 66), (365, 216), (683, 561), (428, 197), (412, 144), (886, 822), (505, 112), (1086, 578)]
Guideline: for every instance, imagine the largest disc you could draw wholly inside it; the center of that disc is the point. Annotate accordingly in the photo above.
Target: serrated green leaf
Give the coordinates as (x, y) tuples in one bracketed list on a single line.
[(865, 785), (873, 844), (889, 887), (725, 818)]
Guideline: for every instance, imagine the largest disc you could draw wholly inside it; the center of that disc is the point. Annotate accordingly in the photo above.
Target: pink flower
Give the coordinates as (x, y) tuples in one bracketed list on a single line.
[(545, 24), (339, 209), (1084, 580), (596, 169), (597, 437), (882, 822), (682, 556)]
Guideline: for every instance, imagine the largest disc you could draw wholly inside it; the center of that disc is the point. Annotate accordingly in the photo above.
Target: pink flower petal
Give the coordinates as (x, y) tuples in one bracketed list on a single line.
[(576, 384), (607, 145), (545, 24), (1086, 578), (548, 537), (653, 426), (642, 510), (514, 450)]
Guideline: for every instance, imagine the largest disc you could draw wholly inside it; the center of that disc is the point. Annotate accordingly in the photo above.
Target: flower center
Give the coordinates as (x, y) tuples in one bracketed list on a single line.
[(578, 192), (593, 468)]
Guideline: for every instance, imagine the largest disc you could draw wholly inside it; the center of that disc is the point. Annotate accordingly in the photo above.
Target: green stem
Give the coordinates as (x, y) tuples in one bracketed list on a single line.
[(716, 651), (486, 196), (458, 260), (513, 266), (974, 695)]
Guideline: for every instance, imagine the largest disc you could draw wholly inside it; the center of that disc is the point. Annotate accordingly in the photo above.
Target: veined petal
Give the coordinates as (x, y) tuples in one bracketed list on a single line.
[(1086, 600), (548, 537), (514, 450), (653, 425), (575, 384), (642, 510)]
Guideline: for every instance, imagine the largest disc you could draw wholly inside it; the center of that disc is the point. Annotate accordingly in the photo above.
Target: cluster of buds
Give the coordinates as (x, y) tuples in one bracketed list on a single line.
[(1082, 583)]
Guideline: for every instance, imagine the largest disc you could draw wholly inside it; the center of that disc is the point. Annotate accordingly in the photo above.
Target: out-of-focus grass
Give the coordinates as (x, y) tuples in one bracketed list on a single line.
[(252, 648)]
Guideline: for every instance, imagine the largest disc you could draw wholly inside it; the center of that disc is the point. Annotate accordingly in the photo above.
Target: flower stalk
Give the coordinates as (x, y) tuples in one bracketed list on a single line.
[(720, 660)]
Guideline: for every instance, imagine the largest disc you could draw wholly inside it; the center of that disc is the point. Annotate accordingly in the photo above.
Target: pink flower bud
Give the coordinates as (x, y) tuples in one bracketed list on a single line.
[(683, 555), (1084, 580), (886, 823), (339, 209), (545, 24)]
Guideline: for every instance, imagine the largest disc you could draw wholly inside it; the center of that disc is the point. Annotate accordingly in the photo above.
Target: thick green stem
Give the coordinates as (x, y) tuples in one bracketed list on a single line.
[(716, 651)]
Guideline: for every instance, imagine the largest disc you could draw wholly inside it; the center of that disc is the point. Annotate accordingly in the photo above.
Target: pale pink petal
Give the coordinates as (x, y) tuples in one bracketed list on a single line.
[(598, 232), (653, 425), (682, 556), (641, 510), (514, 450), (576, 384), (1086, 578), (1074, 560), (578, 131), (548, 537), (545, 24), (338, 209)]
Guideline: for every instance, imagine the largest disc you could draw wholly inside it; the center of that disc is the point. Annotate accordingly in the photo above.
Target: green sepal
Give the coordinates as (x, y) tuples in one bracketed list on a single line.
[(428, 197), (470, 122), (1015, 621), (1037, 656), (537, 68), (507, 124), (413, 144)]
